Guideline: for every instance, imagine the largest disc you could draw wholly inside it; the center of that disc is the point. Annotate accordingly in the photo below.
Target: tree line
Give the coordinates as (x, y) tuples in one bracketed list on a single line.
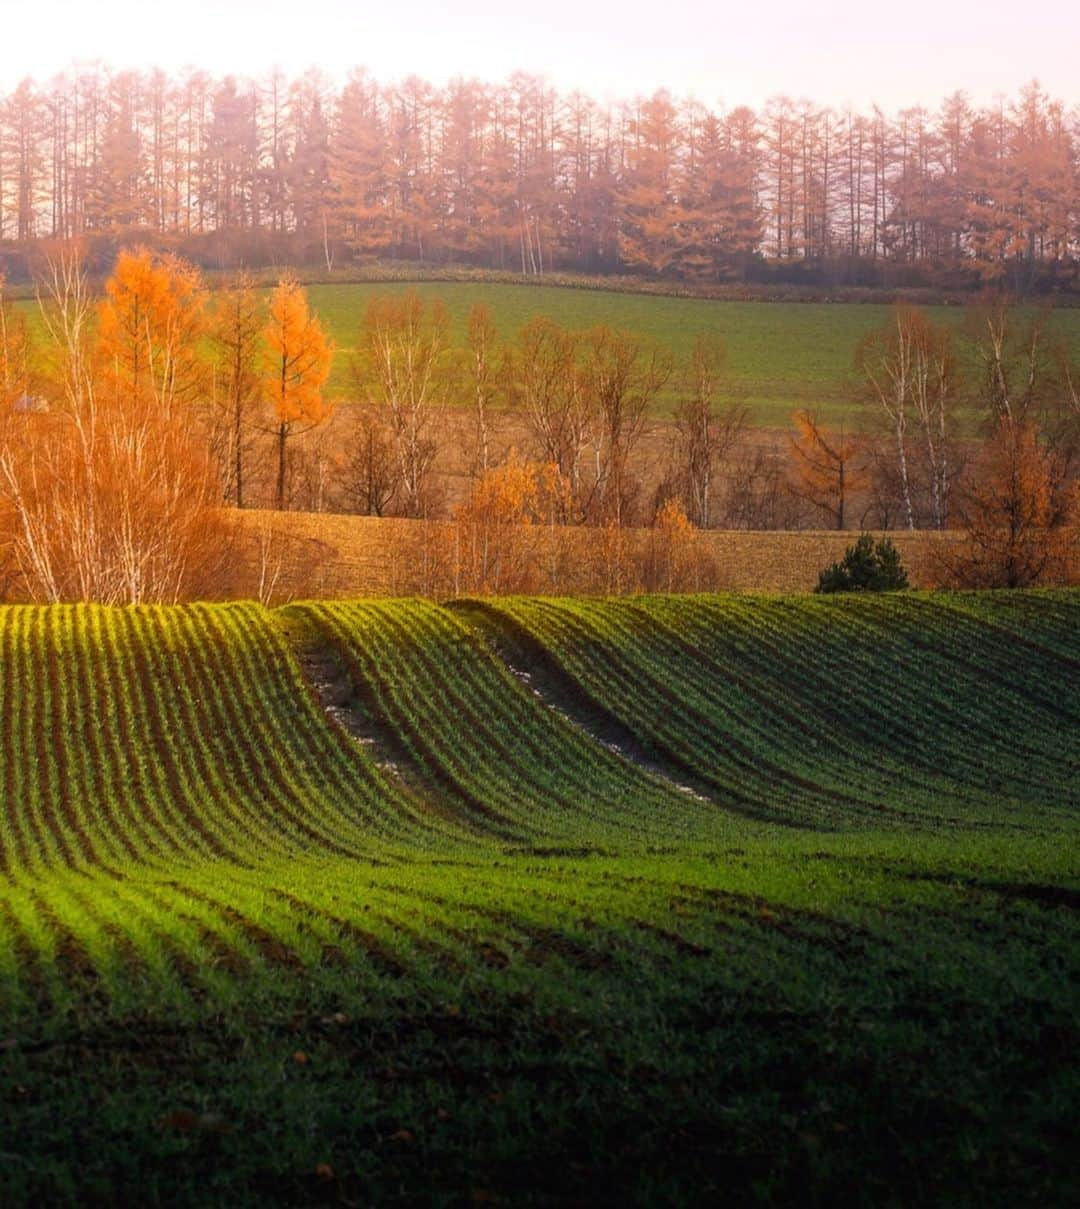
[(516, 176), (128, 419)]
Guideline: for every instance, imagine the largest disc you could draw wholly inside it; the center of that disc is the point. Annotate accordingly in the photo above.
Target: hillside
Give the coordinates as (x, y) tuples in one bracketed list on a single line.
[(358, 881), (780, 355), (283, 556)]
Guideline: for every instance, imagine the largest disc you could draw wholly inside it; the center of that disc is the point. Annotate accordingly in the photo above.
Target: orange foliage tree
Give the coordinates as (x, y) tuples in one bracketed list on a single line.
[(237, 331), (673, 560), (826, 467), (495, 536), (1015, 509), (150, 324), (109, 490), (298, 360)]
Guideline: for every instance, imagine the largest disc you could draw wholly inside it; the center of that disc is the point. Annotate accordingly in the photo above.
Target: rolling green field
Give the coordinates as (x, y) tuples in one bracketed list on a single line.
[(781, 356), (689, 900)]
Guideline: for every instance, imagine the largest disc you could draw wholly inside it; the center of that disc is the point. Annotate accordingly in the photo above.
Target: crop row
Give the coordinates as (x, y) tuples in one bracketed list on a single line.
[(516, 768), (182, 820), (825, 712), (154, 735)]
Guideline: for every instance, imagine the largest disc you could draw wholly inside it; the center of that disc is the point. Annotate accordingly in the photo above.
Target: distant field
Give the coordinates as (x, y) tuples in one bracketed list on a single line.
[(781, 355), (698, 900)]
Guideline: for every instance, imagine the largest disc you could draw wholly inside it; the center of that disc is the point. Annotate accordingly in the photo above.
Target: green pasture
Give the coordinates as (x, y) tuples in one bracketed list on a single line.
[(781, 356)]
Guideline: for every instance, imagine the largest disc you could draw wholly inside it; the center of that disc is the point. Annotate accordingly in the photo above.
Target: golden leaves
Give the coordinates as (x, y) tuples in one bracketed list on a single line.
[(299, 357)]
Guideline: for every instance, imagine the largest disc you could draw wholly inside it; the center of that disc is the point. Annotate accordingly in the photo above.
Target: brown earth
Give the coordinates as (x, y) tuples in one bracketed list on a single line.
[(279, 556)]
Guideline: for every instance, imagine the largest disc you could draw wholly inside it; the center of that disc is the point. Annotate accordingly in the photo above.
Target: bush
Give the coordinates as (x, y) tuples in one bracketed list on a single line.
[(865, 567)]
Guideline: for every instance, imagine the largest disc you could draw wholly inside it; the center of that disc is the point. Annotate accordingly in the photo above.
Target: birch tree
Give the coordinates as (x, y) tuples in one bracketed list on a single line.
[(704, 432), (400, 365)]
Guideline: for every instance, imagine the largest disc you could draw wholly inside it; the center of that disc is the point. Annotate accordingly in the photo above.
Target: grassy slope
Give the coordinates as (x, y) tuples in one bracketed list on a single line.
[(891, 720), (243, 961), (781, 356)]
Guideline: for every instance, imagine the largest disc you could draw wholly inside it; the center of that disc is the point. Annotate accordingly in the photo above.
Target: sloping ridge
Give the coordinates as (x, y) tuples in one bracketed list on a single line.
[(541, 674), (377, 729), (470, 729), (817, 714), (175, 733)]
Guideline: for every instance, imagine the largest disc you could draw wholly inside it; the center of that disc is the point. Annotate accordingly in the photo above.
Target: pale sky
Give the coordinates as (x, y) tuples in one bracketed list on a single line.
[(832, 51)]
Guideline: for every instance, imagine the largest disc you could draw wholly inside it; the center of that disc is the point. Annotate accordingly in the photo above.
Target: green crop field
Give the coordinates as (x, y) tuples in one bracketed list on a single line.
[(780, 355), (649, 901)]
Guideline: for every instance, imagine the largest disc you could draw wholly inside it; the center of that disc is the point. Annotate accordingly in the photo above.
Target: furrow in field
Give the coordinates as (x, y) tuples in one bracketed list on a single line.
[(870, 691), (664, 716), (471, 727), (795, 705)]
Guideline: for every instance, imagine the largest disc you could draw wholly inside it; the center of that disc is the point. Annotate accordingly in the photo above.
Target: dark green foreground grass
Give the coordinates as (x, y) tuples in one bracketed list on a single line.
[(293, 975), (789, 1019)]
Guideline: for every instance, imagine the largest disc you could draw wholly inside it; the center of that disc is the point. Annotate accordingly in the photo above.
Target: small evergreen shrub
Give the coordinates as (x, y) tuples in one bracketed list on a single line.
[(865, 567)]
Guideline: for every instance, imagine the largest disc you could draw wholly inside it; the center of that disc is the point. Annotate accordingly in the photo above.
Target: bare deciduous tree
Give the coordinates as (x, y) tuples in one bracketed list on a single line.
[(399, 369), (370, 477), (909, 371), (622, 378), (549, 390), (483, 387), (704, 433)]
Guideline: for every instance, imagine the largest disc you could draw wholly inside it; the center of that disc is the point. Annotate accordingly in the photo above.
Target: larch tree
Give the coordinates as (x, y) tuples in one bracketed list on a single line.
[(111, 490), (495, 545), (514, 173), (359, 168), (238, 331), (651, 233), (117, 197), (298, 359), (150, 325), (826, 467), (309, 168), (1015, 510), (672, 560)]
